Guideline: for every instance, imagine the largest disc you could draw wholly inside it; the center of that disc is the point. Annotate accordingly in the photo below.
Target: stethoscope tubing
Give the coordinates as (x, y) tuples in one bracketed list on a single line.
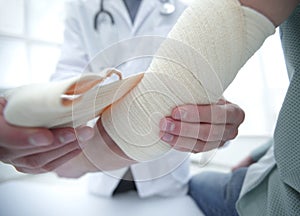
[(112, 20), (102, 10)]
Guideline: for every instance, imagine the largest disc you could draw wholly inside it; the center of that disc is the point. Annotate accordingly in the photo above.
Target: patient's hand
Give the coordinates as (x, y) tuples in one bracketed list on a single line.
[(99, 154), (38, 150), (198, 128)]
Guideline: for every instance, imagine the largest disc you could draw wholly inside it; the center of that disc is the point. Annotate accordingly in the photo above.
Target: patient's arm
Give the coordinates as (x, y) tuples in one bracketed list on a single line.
[(204, 51), (102, 154), (201, 58)]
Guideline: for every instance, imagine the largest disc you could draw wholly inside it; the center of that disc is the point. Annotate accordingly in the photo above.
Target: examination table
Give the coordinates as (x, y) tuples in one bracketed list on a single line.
[(18, 198)]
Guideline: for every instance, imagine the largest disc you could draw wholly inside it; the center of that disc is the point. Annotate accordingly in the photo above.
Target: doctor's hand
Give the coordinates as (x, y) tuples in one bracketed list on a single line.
[(99, 154), (37, 150), (200, 128)]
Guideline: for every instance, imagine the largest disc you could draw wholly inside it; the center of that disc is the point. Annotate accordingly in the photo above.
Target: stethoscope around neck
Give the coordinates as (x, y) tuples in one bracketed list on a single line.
[(167, 8)]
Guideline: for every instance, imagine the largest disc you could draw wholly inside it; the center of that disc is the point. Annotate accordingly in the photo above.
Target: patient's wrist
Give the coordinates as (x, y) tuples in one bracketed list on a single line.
[(109, 142)]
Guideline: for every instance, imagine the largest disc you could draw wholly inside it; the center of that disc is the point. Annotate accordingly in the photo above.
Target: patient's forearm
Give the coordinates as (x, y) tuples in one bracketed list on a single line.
[(204, 51), (98, 154)]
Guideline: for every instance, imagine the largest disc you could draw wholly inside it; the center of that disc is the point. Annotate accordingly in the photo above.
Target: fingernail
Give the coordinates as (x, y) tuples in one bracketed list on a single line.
[(85, 134), (67, 138), (168, 125), (180, 114), (168, 137), (39, 140)]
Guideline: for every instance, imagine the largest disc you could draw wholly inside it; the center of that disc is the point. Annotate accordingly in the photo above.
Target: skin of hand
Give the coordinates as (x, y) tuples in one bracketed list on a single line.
[(38, 150), (102, 154), (199, 128), (247, 161), (196, 128), (99, 154)]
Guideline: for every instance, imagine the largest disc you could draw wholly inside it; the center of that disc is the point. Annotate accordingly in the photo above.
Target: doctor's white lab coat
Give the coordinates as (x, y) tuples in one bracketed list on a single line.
[(167, 176)]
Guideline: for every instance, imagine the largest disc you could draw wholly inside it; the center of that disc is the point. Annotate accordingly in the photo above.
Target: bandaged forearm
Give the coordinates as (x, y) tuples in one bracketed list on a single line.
[(67, 103), (204, 51)]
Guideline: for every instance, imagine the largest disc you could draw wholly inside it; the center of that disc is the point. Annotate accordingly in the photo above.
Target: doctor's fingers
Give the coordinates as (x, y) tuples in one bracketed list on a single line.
[(50, 166), (201, 131), (61, 136), (221, 113), (186, 144), (25, 138), (46, 161), (9, 154), (14, 137), (19, 137)]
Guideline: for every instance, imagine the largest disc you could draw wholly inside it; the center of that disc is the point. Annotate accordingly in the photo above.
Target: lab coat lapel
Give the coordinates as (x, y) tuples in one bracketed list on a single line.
[(146, 8), (122, 11)]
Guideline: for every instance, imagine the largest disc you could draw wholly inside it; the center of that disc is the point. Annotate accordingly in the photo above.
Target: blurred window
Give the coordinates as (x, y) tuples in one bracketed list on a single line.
[(31, 32)]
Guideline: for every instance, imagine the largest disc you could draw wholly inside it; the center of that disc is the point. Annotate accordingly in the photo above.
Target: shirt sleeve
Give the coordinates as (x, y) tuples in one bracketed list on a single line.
[(259, 152)]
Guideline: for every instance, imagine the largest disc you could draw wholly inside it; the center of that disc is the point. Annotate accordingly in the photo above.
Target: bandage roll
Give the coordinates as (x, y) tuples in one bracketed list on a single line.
[(201, 56)]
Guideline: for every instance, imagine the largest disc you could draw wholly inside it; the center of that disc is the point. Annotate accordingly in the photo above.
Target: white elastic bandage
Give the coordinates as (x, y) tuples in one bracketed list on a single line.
[(211, 41), (66, 103)]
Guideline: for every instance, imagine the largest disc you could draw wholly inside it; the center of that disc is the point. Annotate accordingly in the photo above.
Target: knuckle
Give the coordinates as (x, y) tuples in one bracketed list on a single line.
[(220, 116), (232, 110), (234, 134), (239, 114), (242, 116)]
